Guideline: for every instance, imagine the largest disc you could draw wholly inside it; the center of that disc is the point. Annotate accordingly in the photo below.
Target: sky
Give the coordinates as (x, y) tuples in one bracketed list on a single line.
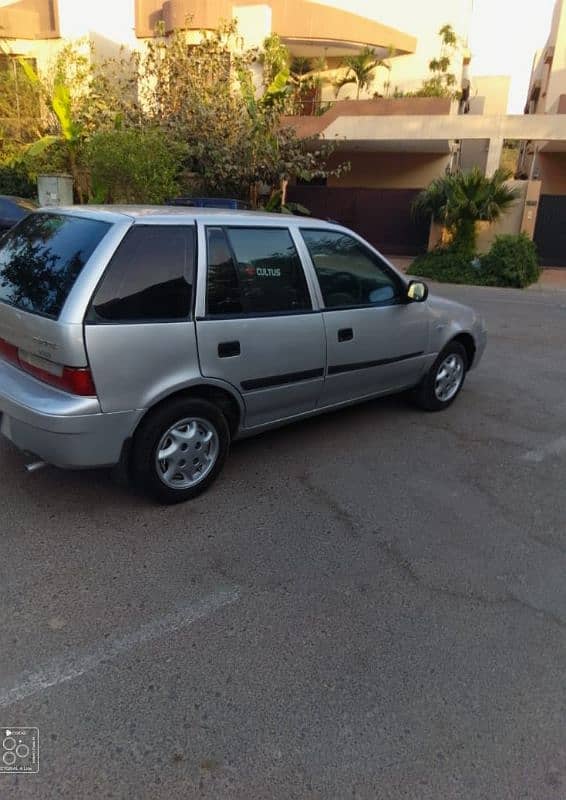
[(503, 36), (503, 40)]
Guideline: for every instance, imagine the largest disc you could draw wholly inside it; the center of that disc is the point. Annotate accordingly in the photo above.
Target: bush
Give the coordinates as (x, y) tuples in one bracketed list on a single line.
[(15, 179), (512, 261), (447, 265), (133, 166)]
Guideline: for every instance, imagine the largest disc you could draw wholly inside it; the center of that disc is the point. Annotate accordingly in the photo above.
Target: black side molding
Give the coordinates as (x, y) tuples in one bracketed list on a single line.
[(337, 368), (280, 380)]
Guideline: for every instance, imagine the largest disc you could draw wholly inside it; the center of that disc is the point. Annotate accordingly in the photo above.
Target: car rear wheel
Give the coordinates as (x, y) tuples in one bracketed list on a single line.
[(180, 449), (444, 380)]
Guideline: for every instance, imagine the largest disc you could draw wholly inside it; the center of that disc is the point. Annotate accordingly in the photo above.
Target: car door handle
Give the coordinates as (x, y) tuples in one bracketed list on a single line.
[(228, 349), (345, 335)]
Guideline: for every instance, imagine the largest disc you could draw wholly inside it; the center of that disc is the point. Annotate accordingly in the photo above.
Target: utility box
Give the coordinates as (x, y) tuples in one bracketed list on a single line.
[(55, 190)]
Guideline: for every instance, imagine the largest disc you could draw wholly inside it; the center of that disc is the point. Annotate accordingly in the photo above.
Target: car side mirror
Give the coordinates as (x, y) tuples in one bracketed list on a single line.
[(417, 291)]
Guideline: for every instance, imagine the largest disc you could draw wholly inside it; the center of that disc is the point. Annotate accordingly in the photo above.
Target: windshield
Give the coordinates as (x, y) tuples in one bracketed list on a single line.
[(42, 256)]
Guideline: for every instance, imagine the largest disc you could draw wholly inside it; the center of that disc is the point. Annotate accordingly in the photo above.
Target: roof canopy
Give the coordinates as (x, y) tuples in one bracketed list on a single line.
[(308, 27)]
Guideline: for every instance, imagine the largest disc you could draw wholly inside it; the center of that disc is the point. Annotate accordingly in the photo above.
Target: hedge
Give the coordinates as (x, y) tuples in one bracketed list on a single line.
[(511, 261)]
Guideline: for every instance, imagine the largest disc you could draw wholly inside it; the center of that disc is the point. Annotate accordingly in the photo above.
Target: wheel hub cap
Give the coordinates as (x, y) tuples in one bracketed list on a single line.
[(449, 377), (187, 453)]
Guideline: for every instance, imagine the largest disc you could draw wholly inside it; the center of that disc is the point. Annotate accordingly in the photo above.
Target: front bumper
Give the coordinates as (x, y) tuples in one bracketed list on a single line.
[(59, 428)]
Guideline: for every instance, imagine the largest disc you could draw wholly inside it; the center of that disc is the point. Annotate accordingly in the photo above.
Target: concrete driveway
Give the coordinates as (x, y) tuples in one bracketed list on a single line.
[(370, 605)]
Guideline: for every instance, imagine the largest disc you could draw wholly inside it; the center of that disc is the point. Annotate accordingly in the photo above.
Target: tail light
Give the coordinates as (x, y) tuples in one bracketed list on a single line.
[(75, 380), (9, 352)]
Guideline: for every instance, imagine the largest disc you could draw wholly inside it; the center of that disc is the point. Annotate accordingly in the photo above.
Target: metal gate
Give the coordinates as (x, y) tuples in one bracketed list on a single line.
[(382, 216), (550, 230)]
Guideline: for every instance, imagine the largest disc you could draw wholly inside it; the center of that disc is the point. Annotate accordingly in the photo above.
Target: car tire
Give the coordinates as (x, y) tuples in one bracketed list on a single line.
[(444, 380), (179, 450)]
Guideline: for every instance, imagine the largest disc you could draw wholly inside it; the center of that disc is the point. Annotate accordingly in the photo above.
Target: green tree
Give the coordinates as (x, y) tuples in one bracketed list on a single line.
[(307, 75), (210, 87), (69, 132), (460, 201), (107, 123), (442, 82), (360, 70), (133, 166), (15, 179), (19, 101)]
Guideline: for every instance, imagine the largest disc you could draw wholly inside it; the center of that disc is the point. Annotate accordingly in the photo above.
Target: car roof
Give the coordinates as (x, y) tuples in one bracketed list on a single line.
[(168, 214)]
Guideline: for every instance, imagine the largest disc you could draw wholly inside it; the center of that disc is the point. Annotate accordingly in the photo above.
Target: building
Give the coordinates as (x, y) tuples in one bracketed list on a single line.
[(395, 143), (545, 159), (38, 27)]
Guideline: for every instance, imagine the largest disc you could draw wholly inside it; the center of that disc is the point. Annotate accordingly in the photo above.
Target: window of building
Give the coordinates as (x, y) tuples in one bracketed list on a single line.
[(150, 277), (254, 271)]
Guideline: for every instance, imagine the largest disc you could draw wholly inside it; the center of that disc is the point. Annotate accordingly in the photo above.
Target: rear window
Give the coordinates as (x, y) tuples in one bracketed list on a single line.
[(41, 258), (149, 278)]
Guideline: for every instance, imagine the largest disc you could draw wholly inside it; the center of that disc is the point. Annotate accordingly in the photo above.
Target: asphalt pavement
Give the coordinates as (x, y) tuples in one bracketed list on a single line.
[(370, 604)]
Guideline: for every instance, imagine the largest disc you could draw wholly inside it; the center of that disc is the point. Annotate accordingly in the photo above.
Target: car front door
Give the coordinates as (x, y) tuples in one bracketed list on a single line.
[(256, 324), (377, 342)]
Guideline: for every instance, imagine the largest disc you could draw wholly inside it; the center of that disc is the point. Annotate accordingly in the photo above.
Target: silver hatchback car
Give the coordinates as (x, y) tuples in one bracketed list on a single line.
[(153, 337)]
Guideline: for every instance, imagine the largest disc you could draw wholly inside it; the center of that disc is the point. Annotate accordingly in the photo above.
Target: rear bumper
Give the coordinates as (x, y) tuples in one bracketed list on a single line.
[(59, 428)]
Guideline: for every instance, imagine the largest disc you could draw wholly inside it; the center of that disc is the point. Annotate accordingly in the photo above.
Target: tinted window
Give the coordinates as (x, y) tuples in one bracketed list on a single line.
[(254, 271), (223, 287), (41, 258), (150, 276), (348, 273)]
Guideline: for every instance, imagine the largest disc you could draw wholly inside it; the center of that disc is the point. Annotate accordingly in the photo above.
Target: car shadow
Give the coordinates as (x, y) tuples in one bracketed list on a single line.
[(91, 487)]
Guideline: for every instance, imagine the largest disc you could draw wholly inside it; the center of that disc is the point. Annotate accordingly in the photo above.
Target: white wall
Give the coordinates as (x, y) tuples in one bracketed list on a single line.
[(557, 79), (108, 24), (113, 20), (490, 94)]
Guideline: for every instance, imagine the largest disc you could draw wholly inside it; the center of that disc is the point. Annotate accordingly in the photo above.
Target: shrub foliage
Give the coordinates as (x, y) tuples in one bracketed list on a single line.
[(15, 180), (511, 261)]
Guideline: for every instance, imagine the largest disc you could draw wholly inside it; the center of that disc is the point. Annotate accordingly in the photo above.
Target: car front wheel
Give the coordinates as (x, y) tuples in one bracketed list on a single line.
[(444, 380), (180, 449)]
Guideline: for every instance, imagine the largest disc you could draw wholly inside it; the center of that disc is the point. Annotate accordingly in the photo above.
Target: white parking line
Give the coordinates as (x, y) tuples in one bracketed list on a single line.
[(67, 669), (554, 448)]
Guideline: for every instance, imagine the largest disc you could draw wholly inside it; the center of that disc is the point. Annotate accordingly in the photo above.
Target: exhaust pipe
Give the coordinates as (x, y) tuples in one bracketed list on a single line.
[(35, 466)]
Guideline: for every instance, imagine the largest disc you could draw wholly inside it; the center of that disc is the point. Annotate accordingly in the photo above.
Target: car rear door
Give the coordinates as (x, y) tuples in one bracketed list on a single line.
[(139, 330), (376, 341), (41, 261), (257, 325)]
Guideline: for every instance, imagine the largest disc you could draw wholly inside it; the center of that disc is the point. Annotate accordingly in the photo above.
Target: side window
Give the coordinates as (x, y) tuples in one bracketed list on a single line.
[(348, 273), (149, 277), (223, 295), (254, 271)]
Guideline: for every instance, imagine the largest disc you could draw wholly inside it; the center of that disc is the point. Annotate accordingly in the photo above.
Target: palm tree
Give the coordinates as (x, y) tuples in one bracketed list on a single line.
[(461, 200), (360, 70)]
